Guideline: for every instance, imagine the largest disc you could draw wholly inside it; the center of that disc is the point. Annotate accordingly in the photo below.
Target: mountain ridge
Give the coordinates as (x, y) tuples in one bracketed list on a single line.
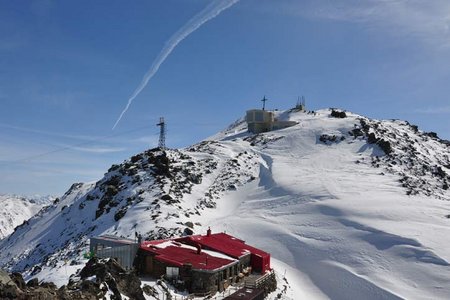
[(291, 191), (16, 209)]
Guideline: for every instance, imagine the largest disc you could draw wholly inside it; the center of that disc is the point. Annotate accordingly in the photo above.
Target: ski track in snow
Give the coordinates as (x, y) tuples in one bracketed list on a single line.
[(338, 225)]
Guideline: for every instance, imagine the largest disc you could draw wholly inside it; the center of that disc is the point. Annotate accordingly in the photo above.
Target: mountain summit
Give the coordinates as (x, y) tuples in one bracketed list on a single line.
[(349, 207)]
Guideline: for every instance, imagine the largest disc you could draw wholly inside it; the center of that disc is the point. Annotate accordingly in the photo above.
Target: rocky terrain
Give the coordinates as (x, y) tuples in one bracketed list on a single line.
[(291, 192), (98, 279)]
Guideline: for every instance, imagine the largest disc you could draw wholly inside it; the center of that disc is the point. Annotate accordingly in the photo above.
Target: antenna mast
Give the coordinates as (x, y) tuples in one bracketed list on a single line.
[(162, 133)]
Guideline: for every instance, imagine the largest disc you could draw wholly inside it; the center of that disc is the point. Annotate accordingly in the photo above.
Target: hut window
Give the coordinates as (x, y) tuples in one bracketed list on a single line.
[(250, 117), (259, 116), (172, 272)]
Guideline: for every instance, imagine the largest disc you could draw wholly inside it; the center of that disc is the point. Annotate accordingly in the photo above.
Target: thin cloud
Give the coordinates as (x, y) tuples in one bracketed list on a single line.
[(117, 137), (18, 175), (147, 140), (433, 110), (49, 133), (427, 20), (99, 150)]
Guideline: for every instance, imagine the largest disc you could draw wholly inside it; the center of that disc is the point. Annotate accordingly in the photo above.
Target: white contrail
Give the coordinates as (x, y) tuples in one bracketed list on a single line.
[(209, 12)]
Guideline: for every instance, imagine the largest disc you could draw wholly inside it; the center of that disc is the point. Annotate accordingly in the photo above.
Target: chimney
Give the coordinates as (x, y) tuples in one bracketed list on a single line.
[(208, 232)]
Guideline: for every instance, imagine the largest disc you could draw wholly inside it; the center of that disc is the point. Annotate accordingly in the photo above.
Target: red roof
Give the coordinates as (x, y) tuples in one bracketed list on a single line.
[(177, 254), (226, 244), (223, 250)]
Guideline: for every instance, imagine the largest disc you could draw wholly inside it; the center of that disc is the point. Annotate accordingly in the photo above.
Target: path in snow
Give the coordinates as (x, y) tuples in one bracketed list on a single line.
[(342, 229)]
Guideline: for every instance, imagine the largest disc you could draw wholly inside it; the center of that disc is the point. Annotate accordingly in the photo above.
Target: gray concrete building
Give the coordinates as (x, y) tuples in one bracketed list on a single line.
[(121, 249), (259, 120)]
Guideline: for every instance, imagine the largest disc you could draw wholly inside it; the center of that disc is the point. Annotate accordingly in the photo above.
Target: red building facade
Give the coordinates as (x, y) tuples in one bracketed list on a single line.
[(201, 263)]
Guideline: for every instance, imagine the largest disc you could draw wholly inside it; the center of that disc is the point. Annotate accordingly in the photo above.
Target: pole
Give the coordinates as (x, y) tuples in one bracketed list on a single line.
[(264, 102)]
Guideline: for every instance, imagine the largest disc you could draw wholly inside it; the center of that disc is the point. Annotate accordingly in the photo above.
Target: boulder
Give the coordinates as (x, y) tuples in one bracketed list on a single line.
[(8, 288), (338, 114), (33, 282), (4, 277), (18, 280), (117, 278), (10, 291)]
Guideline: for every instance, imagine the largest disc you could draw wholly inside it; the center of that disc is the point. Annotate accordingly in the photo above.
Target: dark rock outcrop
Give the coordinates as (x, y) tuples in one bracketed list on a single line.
[(338, 114), (107, 274), (419, 158), (330, 139), (117, 279)]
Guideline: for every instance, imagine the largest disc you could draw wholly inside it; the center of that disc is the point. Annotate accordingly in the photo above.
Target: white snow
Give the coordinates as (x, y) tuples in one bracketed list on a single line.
[(336, 227), (218, 254), (14, 210), (352, 233)]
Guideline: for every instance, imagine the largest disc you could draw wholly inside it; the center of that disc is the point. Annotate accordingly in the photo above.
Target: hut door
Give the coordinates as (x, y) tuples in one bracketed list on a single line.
[(149, 264)]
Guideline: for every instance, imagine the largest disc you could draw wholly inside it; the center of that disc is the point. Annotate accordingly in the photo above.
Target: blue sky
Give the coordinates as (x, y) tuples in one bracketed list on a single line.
[(67, 69)]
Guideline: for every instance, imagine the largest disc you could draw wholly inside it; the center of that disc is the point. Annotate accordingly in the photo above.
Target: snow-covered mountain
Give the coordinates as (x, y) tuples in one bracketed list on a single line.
[(14, 210), (349, 207)]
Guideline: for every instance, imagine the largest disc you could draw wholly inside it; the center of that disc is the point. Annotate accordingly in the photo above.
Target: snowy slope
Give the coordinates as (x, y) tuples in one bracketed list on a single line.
[(14, 210), (349, 208), (346, 225)]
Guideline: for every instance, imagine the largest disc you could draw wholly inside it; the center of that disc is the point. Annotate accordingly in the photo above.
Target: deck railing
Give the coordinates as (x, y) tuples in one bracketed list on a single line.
[(258, 282)]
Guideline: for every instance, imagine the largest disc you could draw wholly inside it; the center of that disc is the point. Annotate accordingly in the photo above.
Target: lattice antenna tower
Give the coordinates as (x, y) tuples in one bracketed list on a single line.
[(162, 133), (301, 101)]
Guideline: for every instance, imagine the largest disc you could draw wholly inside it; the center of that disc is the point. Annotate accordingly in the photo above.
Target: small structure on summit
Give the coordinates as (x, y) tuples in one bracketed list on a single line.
[(301, 104), (261, 120)]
